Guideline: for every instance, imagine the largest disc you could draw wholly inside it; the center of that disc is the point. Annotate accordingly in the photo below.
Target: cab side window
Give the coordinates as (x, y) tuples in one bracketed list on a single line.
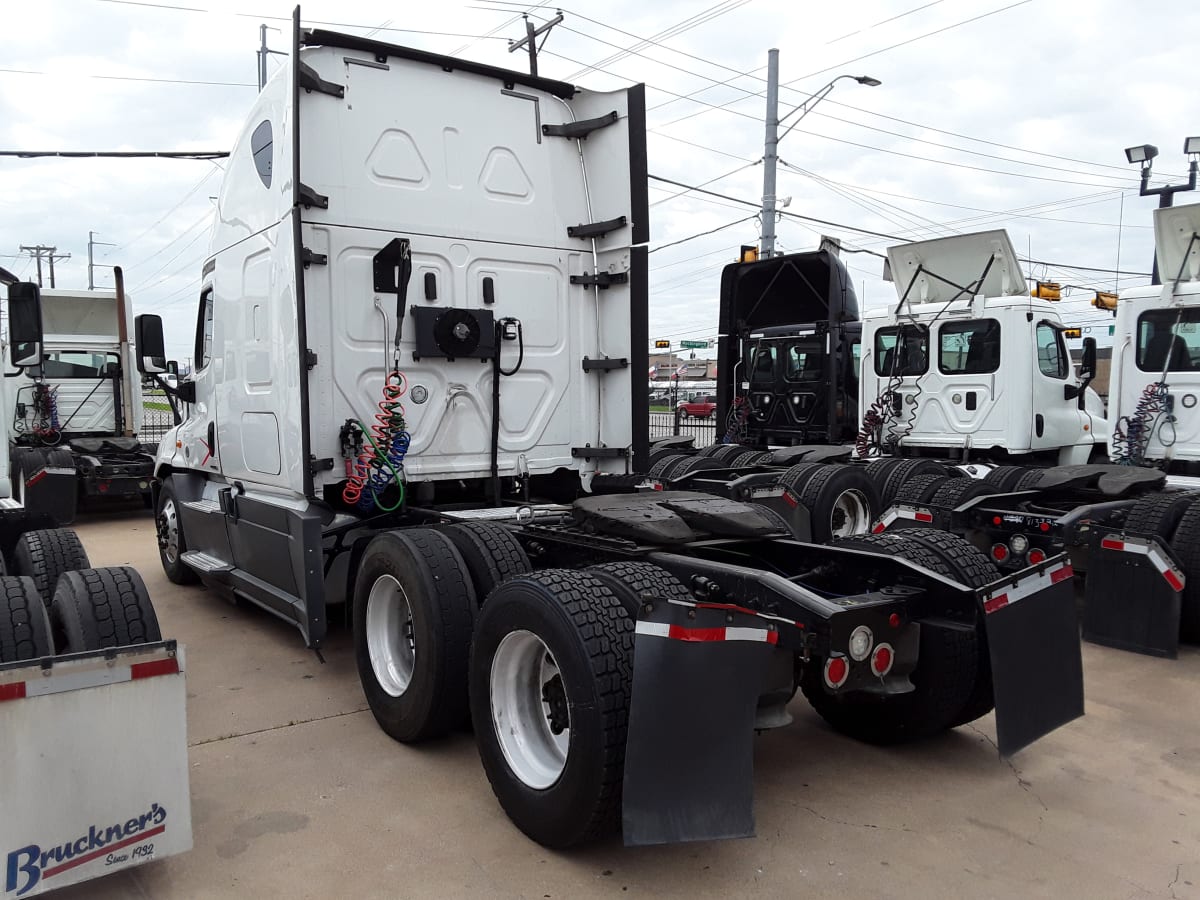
[(1052, 352), (204, 329)]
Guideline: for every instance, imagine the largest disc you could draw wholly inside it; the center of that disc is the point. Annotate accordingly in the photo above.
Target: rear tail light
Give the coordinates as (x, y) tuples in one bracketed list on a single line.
[(861, 641), (837, 670), (1036, 556), (882, 659), (1018, 543), (999, 552)]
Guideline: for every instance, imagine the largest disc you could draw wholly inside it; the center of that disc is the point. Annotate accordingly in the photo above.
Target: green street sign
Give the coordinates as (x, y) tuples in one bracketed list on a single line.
[(693, 345)]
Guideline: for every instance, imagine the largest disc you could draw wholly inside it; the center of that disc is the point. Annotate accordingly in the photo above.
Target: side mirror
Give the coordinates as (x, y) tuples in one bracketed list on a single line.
[(25, 324), (1087, 365), (173, 367), (151, 352)]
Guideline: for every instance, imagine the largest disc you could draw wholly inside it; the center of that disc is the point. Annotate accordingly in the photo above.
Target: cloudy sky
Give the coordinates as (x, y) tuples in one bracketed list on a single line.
[(992, 113)]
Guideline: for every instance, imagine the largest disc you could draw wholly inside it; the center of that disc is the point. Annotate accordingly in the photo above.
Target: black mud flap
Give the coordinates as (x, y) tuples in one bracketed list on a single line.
[(1037, 661), (1134, 594), (689, 758)]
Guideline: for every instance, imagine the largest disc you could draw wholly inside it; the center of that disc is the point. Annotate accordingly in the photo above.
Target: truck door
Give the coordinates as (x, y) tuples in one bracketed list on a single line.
[(1057, 420), (198, 435)]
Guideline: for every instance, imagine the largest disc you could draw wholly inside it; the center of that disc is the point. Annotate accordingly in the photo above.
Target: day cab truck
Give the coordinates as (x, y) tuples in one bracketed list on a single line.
[(414, 400), (1134, 526), (788, 352), (73, 419), (93, 734)]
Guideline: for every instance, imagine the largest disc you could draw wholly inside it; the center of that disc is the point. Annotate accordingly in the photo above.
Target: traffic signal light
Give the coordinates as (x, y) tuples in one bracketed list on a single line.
[(748, 253), (1047, 290), (662, 345), (1105, 300)]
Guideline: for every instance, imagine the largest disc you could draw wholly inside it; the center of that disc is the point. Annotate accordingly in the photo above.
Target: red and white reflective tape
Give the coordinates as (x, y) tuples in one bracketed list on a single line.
[(733, 607), (1171, 573), (1026, 586), (57, 683), (682, 633), (916, 513)]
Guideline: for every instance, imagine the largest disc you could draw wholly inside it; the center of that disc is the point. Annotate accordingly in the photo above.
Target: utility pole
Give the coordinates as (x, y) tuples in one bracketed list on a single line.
[(50, 253), (770, 154), (771, 144), (263, 52), (530, 40), (92, 242)]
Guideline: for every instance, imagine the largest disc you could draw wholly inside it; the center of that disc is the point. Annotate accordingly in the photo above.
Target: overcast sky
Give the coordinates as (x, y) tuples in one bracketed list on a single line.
[(992, 113)]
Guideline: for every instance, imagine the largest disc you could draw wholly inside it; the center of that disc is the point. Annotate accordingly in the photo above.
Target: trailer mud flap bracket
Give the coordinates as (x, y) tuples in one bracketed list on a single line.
[(1037, 662), (1134, 595), (689, 762)]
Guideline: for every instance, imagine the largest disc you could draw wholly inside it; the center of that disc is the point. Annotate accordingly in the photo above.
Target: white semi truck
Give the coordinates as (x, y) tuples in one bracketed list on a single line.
[(418, 328), (74, 418)]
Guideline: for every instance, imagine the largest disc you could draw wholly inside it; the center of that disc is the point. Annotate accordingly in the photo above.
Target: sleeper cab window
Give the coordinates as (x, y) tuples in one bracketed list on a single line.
[(260, 148)]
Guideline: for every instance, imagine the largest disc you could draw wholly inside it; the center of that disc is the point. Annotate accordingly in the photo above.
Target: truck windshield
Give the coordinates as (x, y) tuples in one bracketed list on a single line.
[(969, 348), (1168, 340), (804, 359), (902, 351)]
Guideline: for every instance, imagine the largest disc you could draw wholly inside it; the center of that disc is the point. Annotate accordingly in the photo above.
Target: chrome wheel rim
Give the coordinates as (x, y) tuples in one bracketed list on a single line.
[(168, 531), (390, 641), (529, 710), (850, 515)]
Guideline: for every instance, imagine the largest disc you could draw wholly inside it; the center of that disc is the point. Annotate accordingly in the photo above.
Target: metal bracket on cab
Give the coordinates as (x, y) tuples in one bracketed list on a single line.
[(311, 81), (601, 280), (580, 129)]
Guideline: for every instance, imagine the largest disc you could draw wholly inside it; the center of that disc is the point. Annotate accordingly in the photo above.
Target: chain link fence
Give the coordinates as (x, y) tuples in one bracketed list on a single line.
[(157, 419)]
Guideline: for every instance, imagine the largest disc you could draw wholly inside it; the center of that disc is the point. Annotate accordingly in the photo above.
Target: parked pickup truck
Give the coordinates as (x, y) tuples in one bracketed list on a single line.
[(700, 408)]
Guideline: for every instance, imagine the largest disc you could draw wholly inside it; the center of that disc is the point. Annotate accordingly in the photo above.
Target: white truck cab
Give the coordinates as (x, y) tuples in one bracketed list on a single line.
[(1154, 387), (969, 364)]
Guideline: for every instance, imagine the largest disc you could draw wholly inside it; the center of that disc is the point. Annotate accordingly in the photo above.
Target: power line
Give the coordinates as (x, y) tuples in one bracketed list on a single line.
[(203, 155), (890, 237), (135, 78), (885, 21), (701, 234)]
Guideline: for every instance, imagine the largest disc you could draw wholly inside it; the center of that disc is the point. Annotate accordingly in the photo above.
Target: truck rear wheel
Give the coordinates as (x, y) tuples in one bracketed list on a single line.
[(841, 501), (1159, 513), (1005, 478), (95, 609), (748, 458), (958, 491), (901, 472), (920, 489), (630, 580), (944, 680), (414, 608), (171, 543), (45, 555), (723, 452), (26, 462), (491, 553), (797, 476), (1186, 547), (551, 677), (661, 467), (24, 624)]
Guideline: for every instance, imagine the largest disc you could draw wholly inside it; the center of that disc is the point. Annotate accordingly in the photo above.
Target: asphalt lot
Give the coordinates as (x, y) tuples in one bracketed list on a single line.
[(297, 793)]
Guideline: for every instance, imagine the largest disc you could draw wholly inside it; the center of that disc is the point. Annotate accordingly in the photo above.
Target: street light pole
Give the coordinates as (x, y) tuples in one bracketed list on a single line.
[(772, 138)]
